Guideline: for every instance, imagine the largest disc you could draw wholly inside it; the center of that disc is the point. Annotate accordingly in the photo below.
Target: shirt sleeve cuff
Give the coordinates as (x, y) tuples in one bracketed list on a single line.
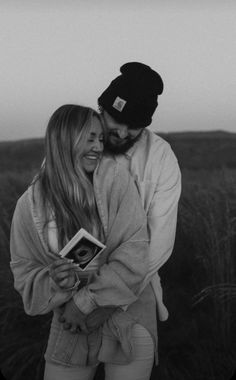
[(84, 301), (55, 288)]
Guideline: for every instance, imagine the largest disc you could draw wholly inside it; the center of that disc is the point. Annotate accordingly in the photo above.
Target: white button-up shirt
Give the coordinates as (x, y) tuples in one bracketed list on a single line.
[(155, 169)]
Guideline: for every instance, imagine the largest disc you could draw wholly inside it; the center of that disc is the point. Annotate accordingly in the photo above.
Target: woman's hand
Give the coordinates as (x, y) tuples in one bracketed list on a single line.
[(63, 273)]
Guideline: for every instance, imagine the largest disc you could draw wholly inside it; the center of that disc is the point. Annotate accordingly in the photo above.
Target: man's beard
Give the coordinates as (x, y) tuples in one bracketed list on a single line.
[(121, 148)]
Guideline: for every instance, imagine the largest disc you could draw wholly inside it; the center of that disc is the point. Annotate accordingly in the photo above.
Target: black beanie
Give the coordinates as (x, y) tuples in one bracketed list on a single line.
[(131, 98)]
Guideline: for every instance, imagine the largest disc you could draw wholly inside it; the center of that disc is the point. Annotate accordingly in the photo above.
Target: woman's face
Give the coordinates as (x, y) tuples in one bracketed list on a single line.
[(93, 147)]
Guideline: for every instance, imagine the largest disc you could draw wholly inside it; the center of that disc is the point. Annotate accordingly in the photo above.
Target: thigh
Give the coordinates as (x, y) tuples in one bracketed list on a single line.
[(59, 372), (141, 366)]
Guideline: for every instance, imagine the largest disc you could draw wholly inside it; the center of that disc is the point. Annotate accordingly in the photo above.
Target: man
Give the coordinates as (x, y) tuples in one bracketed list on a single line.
[(127, 106)]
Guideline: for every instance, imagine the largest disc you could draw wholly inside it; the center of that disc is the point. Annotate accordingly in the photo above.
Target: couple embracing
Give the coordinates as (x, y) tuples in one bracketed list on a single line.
[(107, 173)]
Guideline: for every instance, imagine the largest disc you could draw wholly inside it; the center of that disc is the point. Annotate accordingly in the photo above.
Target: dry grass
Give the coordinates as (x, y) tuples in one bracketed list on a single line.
[(197, 340), (196, 343)]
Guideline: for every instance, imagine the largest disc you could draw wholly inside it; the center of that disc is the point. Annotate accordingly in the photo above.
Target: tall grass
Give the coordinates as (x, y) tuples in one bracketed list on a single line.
[(197, 342), (207, 213), (22, 338)]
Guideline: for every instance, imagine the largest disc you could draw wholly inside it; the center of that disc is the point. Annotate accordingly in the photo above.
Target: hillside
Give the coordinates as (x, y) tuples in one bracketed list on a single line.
[(194, 150), (21, 154), (204, 150)]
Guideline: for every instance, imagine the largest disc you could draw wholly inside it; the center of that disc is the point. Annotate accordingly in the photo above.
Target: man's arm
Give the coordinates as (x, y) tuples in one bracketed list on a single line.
[(162, 216)]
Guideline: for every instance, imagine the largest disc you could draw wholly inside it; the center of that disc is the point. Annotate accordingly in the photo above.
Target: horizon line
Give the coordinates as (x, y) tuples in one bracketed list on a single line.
[(210, 131)]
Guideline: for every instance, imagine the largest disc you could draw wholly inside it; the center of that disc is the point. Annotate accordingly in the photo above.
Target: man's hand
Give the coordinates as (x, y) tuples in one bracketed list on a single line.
[(72, 318), (98, 316), (62, 271)]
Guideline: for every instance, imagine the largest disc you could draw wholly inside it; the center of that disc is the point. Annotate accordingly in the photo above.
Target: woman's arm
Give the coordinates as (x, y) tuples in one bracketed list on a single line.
[(31, 264), (118, 280)]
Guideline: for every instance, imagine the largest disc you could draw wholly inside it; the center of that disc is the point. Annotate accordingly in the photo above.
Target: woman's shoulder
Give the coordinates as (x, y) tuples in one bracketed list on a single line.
[(25, 203), (22, 209), (23, 200)]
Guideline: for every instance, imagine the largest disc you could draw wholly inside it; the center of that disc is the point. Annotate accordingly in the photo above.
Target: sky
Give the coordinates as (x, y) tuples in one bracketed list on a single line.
[(54, 52)]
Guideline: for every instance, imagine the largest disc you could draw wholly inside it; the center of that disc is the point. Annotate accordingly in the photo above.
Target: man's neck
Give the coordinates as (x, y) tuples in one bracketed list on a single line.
[(116, 151)]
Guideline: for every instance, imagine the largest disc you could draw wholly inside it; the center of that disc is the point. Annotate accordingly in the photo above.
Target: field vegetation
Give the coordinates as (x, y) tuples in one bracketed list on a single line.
[(198, 340)]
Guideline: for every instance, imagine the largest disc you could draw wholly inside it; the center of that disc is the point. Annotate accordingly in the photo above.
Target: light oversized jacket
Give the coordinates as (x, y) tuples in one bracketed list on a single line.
[(155, 169), (123, 266)]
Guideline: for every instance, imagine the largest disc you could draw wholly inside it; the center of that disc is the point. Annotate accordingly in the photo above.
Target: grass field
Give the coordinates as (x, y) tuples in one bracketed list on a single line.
[(197, 342)]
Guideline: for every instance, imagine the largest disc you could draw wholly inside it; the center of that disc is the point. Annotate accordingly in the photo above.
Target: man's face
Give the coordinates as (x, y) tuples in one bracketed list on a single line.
[(120, 136)]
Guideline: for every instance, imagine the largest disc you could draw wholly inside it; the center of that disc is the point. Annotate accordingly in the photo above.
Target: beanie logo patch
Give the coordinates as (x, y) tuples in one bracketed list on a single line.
[(119, 104)]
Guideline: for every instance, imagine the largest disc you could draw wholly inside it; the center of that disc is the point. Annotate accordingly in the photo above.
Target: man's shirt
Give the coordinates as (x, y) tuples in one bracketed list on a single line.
[(155, 169)]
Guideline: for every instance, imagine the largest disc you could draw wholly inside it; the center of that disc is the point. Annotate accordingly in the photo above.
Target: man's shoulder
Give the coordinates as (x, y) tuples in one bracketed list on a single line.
[(153, 156), (112, 178), (155, 141), (107, 165), (153, 146), (110, 168)]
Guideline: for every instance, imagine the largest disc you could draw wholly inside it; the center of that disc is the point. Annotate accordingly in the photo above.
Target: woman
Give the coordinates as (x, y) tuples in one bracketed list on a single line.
[(77, 187)]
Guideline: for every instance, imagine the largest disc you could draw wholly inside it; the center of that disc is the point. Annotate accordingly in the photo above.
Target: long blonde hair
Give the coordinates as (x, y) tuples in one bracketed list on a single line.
[(65, 186)]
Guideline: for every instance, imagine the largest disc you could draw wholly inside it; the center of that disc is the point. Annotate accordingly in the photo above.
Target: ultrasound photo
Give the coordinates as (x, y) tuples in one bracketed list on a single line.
[(84, 252)]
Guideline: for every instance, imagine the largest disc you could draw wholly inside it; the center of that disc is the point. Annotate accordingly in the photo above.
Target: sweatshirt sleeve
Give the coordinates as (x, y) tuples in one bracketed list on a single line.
[(118, 280), (162, 214), (30, 265)]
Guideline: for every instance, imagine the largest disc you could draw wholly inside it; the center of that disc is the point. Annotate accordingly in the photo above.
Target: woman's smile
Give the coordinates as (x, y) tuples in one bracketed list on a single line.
[(93, 147), (90, 161)]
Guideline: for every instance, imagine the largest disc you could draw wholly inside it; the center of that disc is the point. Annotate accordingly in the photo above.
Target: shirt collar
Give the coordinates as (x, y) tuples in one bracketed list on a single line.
[(131, 151)]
